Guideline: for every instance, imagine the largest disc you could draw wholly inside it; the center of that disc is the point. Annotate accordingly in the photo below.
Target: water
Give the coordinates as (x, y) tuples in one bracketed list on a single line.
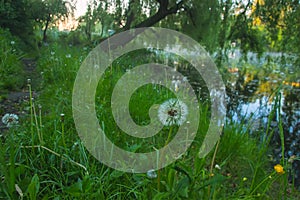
[(252, 87), (251, 97)]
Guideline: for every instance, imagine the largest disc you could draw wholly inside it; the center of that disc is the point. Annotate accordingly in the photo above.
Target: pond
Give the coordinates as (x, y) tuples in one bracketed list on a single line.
[(252, 89)]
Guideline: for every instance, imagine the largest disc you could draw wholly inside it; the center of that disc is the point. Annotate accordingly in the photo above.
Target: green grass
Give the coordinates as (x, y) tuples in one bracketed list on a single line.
[(44, 158), (11, 71)]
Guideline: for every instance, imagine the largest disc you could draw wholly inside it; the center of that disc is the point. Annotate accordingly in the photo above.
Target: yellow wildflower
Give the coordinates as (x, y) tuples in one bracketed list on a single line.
[(279, 169)]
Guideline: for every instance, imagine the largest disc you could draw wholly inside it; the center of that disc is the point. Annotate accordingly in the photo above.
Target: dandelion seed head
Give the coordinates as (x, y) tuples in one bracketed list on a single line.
[(10, 119), (172, 112), (151, 174), (62, 117)]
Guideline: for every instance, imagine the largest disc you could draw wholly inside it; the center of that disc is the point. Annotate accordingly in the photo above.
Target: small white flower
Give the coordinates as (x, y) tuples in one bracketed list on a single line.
[(52, 53), (10, 119), (151, 174), (217, 167), (172, 111), (12, 42), (68, 56)]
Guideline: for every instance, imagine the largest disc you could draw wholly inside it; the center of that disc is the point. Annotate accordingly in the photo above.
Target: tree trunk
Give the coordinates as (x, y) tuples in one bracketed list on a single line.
[(46, 28)]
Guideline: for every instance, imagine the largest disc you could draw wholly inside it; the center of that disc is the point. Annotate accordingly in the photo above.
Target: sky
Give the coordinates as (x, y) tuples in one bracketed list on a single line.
[(81, 7)]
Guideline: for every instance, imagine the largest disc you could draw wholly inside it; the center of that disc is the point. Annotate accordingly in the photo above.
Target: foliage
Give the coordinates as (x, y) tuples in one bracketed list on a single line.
[(24, 17), (11, 72), (16, 16), (49, 11)]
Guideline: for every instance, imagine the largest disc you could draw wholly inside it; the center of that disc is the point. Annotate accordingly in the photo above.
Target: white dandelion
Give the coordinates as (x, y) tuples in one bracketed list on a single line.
[(172, 112), (151, 174), (10, 119)]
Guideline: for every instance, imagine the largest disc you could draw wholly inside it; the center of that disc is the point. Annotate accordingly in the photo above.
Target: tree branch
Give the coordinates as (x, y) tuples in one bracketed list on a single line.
[(130, 16), (162, 12)]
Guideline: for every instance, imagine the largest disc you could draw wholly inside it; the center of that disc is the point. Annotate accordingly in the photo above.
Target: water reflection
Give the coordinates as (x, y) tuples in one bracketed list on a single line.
[(251, 92), (251, 88)]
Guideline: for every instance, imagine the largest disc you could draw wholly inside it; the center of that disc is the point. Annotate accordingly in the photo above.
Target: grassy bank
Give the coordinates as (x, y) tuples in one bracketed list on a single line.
[(42, 157)]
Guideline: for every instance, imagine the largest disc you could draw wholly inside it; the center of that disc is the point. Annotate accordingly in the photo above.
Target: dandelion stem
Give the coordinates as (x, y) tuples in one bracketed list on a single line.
[(31, 110), (159, 171), (41, 124), (169, 135), (212, 164), (36, 123), (62, 118)]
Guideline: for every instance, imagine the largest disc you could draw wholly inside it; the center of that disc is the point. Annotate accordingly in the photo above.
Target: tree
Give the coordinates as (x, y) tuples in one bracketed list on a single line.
[(47, 12), (138, 13), (216, 24), (280, 19), (182, 15), (14, 16), (21, 16)]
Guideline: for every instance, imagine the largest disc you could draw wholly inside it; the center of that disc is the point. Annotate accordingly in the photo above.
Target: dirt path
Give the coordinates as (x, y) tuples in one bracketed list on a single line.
[(15, 102)]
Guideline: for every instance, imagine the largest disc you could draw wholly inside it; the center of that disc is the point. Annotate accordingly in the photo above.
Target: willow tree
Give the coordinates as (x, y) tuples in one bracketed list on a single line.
[(181, 15), (280, 19), (216, 24)]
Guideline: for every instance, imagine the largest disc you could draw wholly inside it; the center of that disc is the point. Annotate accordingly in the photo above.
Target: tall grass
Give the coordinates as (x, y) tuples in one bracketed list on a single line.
[(54, 164)]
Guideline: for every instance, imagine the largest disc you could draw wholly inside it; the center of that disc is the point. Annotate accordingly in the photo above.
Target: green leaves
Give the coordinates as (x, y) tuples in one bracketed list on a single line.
[(80, 188), (33, 187)]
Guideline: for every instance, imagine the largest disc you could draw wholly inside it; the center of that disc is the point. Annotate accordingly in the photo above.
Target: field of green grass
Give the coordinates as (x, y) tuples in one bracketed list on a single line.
[(42, 156)]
